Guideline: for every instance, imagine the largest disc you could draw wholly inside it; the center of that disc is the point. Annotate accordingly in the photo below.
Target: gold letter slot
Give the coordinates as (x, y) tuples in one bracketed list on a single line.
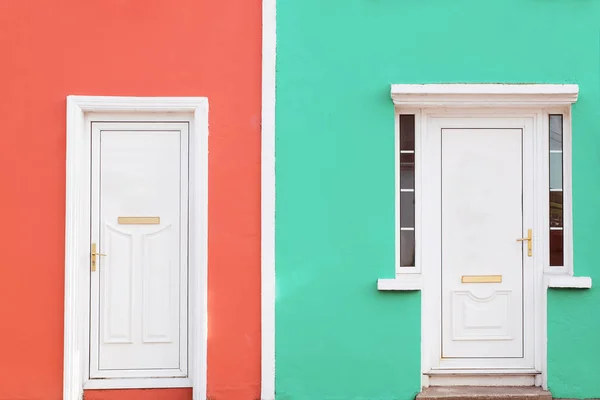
[(138, 220), (481, 279)]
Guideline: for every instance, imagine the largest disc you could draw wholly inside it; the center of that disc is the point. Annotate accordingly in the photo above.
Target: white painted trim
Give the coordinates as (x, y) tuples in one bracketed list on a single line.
[(198, 291), (430, 318), (139, 104), (483, 377), (483, 380), (544, 201), (76, 313), (411, 98), (406, 282), (495, 100), (407, 278), (479, 95), (139, 383), (416, 269), (570, 282), (475, 372), (269, 44)]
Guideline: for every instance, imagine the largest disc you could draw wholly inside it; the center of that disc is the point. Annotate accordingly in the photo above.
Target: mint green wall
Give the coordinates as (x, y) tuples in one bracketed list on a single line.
[(337, 337)]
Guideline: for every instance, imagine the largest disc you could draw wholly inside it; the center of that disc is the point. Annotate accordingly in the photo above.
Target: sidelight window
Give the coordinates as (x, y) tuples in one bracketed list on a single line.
[(407, 190), (556, 187), (559, 193)]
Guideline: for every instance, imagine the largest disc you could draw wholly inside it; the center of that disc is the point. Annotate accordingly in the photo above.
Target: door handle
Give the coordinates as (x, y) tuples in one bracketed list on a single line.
[(94, 255), (529, 241)]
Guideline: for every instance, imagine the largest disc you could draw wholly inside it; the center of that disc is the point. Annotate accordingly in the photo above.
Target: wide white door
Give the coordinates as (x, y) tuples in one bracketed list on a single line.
[(485, 206), (139, 280)]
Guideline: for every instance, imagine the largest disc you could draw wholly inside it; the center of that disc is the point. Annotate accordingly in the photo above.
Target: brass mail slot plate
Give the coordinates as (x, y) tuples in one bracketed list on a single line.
[(481, 279), (139, 220)]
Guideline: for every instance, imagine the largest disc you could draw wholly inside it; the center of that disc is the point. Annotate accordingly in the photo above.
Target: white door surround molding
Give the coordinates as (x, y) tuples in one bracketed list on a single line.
[(532, 102), (77, 228)]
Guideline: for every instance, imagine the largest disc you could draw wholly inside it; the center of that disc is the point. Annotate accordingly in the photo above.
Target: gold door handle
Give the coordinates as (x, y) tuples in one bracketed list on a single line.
[(529, 241), (94, 255)]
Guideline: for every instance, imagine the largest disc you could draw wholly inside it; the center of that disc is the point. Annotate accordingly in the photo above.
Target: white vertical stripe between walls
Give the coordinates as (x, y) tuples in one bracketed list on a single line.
[(269, 32)]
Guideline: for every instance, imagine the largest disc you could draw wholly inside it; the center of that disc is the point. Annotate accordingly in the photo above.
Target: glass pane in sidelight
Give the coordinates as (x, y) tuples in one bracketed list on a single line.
[(407, 132), (556, 209), (407, 248), (556, 132), (407, 171), (556, 215), (407, 209), (556, 248), (556, 171)]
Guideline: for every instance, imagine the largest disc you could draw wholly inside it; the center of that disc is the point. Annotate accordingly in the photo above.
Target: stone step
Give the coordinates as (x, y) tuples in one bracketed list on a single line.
[(484, 393)]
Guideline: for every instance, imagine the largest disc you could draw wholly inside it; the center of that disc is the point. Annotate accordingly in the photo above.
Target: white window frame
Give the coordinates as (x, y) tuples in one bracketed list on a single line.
[(547, 99), (411, 276), (77, 241), (567, 267)]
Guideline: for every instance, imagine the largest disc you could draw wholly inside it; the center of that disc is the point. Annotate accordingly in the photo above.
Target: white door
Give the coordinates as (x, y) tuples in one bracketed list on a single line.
[(485, 203), (139, 223)]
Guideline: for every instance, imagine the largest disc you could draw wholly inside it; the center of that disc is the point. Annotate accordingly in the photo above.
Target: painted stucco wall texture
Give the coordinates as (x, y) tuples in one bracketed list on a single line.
[(337, 336), (51, 49)]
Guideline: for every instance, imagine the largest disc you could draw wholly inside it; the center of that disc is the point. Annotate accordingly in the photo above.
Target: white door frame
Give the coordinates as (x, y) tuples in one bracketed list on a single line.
[(533, 100), (77, 228), (530, 122)]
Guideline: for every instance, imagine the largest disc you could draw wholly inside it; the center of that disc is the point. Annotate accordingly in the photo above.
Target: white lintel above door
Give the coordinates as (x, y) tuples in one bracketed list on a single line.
[(484, 95)]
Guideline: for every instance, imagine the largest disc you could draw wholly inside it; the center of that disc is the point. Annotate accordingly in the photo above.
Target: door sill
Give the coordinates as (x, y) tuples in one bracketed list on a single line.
[(499, 371), (482, 377), (484, 393), (137, 383)]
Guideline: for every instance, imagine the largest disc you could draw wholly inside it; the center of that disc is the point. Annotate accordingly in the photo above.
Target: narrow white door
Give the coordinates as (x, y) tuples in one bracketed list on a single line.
[(485, 205), (139, 224)]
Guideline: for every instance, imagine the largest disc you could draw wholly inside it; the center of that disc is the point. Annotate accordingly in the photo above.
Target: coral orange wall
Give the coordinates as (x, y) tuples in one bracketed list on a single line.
[(50, 49)]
